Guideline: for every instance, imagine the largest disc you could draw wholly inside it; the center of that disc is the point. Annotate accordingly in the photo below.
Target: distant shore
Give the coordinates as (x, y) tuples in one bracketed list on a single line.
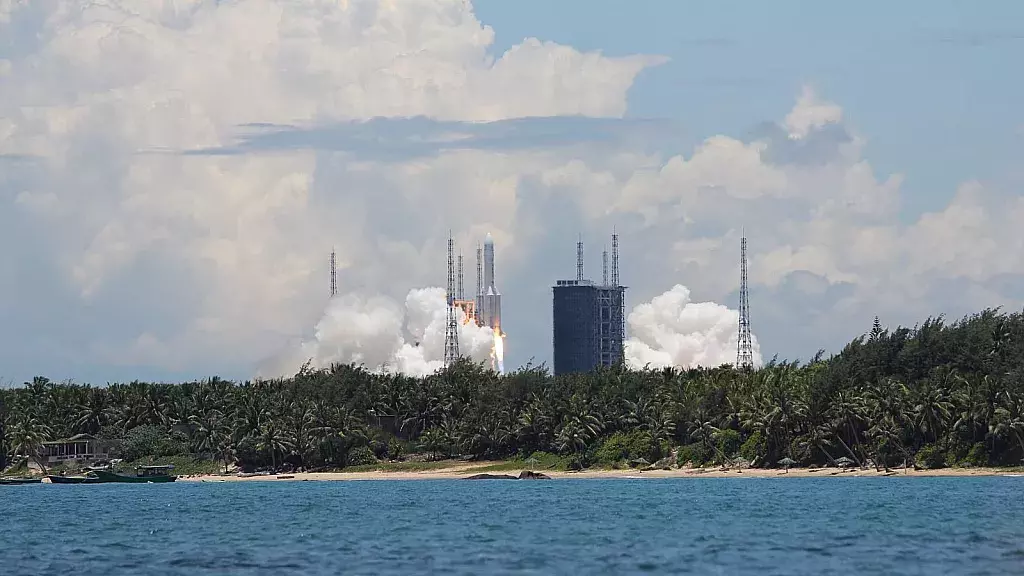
[(464, 470)]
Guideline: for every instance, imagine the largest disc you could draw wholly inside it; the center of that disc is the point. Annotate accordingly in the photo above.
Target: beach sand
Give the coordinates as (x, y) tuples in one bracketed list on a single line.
[(466, 469)]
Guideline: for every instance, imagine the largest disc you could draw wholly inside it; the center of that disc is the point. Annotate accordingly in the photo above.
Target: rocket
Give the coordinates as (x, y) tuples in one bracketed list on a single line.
[(488, 299)]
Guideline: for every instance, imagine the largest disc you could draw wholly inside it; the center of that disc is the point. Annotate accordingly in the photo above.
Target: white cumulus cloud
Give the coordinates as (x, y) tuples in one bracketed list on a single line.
[(673, 330)]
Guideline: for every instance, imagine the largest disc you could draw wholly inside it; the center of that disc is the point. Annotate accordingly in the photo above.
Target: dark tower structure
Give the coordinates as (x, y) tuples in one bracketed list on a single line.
[(334, 274), (587, 318), (451, 332), (744, 349), (618, 337)]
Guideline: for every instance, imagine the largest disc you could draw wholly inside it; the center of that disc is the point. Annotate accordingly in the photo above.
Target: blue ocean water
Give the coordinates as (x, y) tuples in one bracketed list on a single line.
[(586, 526)]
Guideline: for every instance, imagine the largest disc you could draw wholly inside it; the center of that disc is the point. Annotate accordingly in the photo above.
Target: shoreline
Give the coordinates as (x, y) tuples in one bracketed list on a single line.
[(461, 471)]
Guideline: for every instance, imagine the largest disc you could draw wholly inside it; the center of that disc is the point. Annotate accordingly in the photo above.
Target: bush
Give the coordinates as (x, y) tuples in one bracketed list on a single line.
[(361, 456), (396, 450), (977, 456), (729, 442), (754, 447), (546, 461), (629, 446), (931, 456), (143, 441), (697, 454)]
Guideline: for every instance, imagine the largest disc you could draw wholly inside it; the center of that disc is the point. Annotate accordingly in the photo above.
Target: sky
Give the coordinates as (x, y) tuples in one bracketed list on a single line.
[(173, 175)]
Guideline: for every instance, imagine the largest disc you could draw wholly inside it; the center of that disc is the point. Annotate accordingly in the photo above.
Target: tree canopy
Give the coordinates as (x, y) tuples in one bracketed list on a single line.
[(936, 394)]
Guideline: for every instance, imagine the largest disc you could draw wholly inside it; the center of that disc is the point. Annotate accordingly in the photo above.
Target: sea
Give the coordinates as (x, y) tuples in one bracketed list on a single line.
[(757, 526)]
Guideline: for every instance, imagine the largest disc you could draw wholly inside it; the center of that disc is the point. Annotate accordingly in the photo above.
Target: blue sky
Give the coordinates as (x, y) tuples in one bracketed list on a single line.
[(161, 222), (935, 86)]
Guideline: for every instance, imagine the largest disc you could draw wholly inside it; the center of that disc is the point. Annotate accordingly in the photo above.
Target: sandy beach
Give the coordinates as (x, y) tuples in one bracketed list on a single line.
[(463, 470)]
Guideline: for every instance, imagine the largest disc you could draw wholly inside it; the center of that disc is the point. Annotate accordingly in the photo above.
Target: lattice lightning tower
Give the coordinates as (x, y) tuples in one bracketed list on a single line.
[(622, 293), (744, 349), (451, 332), (479, 284), (615, 258), (460, 293), (334, 274), (579, 260), (604, 267)]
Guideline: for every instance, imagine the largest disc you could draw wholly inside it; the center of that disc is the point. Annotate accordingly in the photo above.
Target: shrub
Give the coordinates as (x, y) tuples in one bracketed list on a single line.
[(629, 446), (395, 449), (361, 456), (754, 447), (729, 442), (977, 456), (697, 454), (931, 456), (143, 441), (546, 461)]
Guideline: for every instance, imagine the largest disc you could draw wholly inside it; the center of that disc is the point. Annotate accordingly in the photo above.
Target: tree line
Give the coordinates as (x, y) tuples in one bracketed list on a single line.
[(933, 395)]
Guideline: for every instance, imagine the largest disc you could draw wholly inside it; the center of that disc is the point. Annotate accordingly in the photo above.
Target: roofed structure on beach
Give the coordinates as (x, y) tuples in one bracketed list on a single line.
[(79, 448)]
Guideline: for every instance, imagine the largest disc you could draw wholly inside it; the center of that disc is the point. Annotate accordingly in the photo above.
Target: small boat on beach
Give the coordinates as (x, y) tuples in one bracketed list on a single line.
[(18, 481), (143, 475)]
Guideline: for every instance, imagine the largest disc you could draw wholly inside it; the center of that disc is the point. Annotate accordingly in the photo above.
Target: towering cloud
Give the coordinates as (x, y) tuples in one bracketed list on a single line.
[(105, 103), (672, 330)]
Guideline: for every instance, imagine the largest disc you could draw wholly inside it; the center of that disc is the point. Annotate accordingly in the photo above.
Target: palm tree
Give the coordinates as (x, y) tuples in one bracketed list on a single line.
[(704, 431), (1009, 418), (5, 417), (92, 415), (27, 436), (579, 426), (272, 441), (847, 412)]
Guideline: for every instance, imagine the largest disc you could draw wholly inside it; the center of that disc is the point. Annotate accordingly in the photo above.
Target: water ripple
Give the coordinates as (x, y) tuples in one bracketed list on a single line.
[(684, 526)]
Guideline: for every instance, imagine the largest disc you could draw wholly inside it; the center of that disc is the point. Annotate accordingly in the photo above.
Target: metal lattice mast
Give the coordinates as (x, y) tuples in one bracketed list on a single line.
[(615, 259), (451, 332), (334, 274), (579, 260), (477, 309), (460, 293), (744, 349), (604, 268), (621, 296)]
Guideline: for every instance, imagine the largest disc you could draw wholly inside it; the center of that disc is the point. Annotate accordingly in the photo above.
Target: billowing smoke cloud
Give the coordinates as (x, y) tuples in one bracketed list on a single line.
[(383, 336), (377, 332), (672, 330)]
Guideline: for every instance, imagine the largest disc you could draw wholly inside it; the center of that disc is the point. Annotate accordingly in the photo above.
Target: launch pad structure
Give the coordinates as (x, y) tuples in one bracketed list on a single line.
[(484, 309), (588, 319)]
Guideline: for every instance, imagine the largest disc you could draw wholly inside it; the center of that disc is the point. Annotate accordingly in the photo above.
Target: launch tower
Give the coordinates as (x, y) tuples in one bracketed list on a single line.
[(744, 348), (451, 332), (588, 318)]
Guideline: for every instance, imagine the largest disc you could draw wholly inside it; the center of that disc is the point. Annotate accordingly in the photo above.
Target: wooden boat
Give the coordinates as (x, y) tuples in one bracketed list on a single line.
[(87, 479), (15, 481), (143, 475)]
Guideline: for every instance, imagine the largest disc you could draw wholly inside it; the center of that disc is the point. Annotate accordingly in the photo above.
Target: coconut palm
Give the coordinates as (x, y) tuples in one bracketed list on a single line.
[(27, 436)]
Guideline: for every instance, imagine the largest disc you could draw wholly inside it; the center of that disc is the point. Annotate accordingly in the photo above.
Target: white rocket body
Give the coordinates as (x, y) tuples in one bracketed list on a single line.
[(489, 299)]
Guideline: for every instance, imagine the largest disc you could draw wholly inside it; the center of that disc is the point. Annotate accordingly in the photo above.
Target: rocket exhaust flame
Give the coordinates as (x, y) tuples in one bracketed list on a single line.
[(499, 351)]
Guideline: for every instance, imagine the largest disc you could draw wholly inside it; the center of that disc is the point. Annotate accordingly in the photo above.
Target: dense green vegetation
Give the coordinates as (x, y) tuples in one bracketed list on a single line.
[(935, 395)]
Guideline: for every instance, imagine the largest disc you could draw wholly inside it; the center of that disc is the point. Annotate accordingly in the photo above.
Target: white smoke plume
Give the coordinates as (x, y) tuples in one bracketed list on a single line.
[(672, 330), (378, 333)]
